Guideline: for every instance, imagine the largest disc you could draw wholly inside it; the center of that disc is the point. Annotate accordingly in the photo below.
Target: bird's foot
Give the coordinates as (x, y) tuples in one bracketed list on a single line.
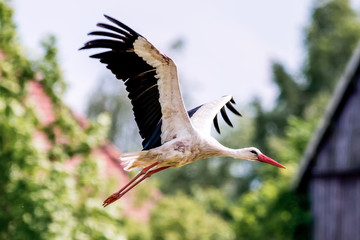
[(112, 198)]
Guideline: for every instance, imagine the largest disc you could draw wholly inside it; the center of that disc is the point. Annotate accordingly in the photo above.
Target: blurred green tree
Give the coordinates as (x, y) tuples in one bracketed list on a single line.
[(110, 97), (187, 218), (330, 39), (271, 209), (39, 198)]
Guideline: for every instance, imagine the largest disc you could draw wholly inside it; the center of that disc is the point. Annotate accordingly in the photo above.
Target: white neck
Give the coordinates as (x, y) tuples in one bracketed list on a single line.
[(221, 151), (213, 148), (242, 153)]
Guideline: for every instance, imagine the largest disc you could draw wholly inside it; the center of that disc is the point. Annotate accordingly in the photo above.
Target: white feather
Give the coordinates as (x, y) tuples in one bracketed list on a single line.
[(203, 117)]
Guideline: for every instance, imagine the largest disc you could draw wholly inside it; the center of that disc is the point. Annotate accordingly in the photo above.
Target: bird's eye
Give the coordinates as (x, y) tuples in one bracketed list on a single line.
[(254, 152)]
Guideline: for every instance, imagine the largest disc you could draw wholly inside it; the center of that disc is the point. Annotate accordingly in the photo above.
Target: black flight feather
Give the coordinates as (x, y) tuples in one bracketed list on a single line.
[(107, 34), (216, 124), (225, 116), (120, 24), (115, 29), (138, 76), (231, 108)]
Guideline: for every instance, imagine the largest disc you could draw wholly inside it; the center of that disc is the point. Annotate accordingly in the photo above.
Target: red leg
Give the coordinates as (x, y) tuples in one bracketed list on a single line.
[(128, 186), (147, 175), (115, 196)]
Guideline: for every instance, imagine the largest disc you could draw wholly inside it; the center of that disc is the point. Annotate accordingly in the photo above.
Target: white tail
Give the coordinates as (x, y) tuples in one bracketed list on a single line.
[(134, 160)]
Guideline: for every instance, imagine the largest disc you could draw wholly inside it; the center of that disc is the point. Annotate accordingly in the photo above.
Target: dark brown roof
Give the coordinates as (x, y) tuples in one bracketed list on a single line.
[(335, 105)]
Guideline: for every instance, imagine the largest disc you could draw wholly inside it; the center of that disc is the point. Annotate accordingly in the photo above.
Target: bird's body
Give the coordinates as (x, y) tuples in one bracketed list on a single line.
[(177, 152), (172, 136)]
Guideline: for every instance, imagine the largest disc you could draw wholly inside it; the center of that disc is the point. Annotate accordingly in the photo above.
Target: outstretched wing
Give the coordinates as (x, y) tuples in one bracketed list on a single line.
[(203, 116), (150, 78)]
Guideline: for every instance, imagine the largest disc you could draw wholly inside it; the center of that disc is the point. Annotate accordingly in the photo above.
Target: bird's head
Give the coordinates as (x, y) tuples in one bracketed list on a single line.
[(255, 154)]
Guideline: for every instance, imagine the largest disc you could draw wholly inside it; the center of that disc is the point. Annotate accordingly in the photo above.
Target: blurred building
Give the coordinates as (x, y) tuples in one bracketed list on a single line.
[(106, 152), (330, 172)]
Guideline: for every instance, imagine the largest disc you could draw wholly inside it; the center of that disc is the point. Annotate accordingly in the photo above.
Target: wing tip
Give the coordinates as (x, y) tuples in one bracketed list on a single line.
[(122, 25), (232, 109), (111, 19), (216, 124), (225, 116), (86, 46)]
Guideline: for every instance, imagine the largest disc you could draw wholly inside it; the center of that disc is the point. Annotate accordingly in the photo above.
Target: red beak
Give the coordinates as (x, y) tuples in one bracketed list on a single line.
[(265, 159)]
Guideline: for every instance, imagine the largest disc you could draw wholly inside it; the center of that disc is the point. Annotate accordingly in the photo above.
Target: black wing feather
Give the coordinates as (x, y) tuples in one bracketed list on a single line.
[(115, 29), (216, 124), (120, 24), (225, 116), (139, 77), (231, 108), (107, 34)]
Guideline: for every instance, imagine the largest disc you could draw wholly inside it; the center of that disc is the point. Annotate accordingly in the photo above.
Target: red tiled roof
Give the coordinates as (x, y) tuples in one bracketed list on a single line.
[(107, 152), (42, 103)]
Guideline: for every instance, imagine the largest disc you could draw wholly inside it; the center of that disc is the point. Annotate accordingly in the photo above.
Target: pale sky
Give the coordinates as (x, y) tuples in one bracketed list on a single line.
[(229, 45)]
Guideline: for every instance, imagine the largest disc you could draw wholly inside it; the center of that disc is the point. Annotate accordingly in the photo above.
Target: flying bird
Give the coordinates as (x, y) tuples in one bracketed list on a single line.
[(172, 136)]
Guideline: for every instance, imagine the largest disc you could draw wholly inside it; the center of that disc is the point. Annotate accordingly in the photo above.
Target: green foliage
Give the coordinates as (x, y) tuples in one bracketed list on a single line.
[(48, 67), (186, 219), (290, 91), (110, 96), (289, 102), (330, 39), (273, 210), (40, 198)]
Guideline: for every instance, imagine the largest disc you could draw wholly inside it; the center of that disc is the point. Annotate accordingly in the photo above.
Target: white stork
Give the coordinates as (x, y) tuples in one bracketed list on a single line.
[(172, 136)]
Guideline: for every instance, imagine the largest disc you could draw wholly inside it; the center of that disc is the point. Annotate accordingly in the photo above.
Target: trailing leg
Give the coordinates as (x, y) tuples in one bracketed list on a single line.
[(145, 173)]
